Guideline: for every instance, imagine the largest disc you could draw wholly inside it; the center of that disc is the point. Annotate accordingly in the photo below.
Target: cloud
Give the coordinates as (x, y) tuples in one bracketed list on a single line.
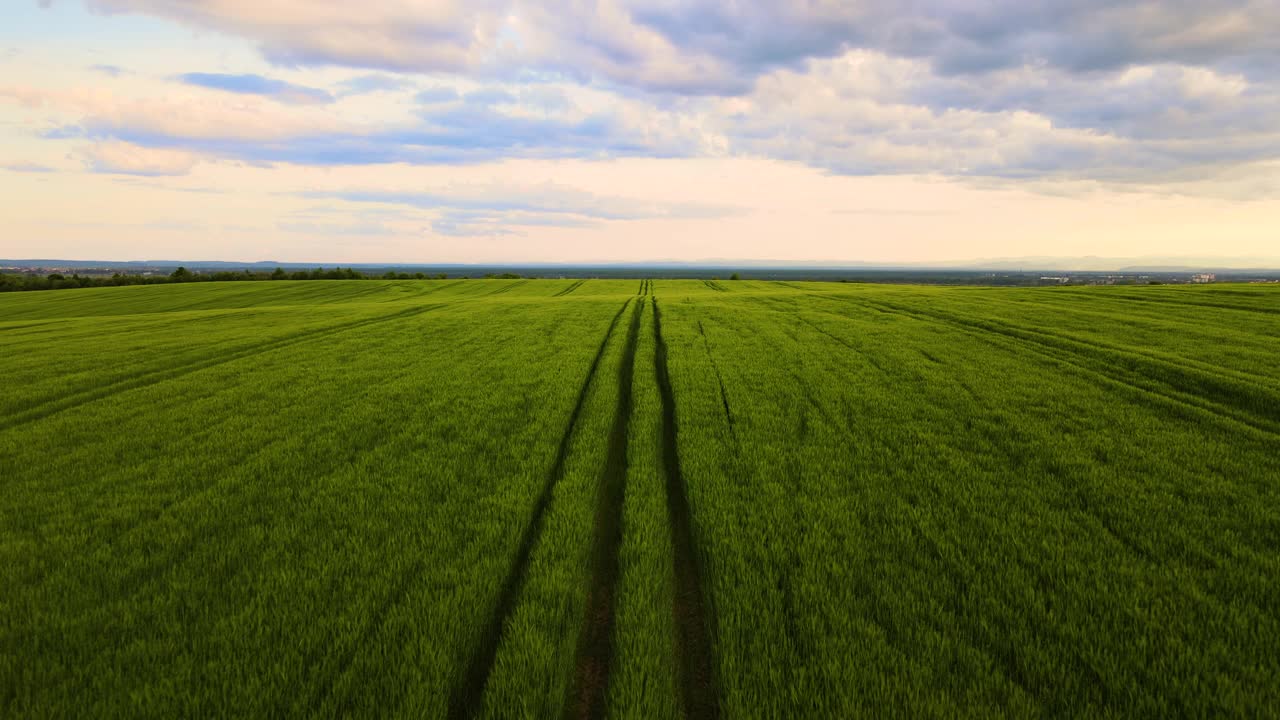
[(546, 199), (196, 114), (109, 70), (27, 167), (963, 38), (504, 210), (444, 141), (699, 47), (279, 90), (1147, 101), (378, 34), (452, 224), (379, 82), (867, 113), (260, 132), (1135, 92), (436, 95), (488, 96), (125, 159), (474, 223)]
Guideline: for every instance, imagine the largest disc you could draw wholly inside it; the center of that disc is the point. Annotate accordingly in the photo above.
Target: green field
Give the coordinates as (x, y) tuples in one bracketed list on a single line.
[(641, 499)]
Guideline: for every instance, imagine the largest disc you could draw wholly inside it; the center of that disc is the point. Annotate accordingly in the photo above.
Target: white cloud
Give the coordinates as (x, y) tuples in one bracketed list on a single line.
[(1203, 83), (180, 113), (125, 159), (393, 34)]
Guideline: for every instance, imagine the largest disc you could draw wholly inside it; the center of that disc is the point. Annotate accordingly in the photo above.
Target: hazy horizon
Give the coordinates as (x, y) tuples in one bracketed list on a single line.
[(1089, 264), (621, 132)]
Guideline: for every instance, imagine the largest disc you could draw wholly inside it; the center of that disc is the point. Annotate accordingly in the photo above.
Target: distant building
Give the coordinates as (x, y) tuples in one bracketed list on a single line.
[(1203, 278)]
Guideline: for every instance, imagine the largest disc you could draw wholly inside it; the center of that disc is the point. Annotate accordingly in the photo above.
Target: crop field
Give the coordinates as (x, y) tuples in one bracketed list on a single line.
[(639, 499)]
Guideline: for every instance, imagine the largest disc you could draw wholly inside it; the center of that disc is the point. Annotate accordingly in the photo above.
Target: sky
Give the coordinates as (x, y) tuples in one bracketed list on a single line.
[(491, 131)]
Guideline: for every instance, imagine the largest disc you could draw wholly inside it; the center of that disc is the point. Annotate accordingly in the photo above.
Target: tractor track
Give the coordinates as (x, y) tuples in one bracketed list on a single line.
[(506, 288), (724, 396), (595, 643), (694, 624), (569, 289), (465, 700)]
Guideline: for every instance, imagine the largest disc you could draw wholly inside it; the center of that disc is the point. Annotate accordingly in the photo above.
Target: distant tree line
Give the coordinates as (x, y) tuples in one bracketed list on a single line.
[(58, 281)]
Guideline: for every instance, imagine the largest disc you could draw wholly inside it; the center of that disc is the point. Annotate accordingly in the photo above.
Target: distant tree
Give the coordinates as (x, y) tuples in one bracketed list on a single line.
[(734, 277), (442, 276), (419, 276), (55, 277), (182, 274), (279, 274)]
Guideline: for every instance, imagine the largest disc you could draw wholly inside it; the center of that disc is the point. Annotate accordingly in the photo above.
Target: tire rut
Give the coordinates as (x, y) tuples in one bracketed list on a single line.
[(569, 289), (694, 624), (506, 288), (7, 328), (465, 700), (595, 643), (724, 396)]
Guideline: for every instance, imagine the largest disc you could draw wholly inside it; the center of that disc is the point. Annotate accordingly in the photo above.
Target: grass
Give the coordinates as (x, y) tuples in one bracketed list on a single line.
[(529, 498)]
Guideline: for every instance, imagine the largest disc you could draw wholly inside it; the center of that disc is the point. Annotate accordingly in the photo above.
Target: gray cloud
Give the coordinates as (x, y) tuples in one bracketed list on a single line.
[(962, 38), (713, 47), (867, 113), (1139, 91)]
